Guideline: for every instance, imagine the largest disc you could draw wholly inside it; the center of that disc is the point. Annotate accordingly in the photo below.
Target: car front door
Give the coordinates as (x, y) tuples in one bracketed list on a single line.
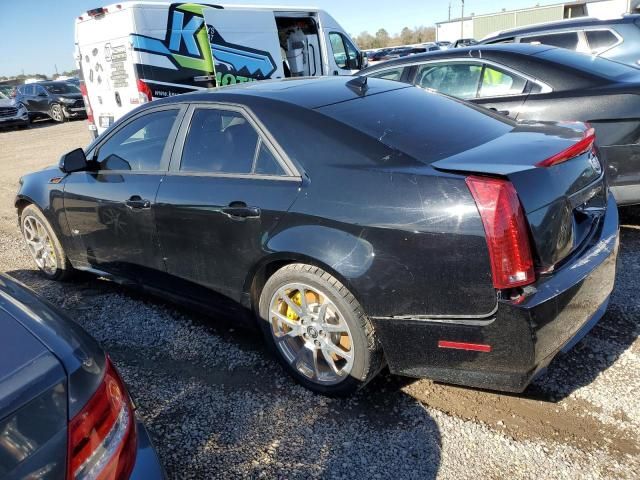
[(228, 186), (40, 100), (488, 85), (110, 209)]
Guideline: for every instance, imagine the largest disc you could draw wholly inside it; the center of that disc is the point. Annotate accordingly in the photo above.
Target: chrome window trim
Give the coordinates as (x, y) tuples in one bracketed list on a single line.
[(544, 87), (291, 172)]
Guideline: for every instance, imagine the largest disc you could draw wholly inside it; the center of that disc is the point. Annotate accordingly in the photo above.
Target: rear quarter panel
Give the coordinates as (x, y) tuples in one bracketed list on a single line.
[(405, 238)]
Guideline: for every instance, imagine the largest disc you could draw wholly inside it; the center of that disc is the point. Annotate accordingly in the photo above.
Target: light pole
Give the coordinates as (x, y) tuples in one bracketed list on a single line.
[(462, 21)]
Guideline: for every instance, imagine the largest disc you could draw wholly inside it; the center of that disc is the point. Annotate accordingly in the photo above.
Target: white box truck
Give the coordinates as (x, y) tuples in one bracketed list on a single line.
[(133, 52)]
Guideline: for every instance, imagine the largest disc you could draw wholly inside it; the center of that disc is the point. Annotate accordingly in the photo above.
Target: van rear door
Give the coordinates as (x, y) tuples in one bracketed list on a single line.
[(245, 45), (105, 58)]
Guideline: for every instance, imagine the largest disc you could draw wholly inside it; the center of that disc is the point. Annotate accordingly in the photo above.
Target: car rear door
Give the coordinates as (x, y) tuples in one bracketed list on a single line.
[(110, 208), (244, 44), (228, 186)]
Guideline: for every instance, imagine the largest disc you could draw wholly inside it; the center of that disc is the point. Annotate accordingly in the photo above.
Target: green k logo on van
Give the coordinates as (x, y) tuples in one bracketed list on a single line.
[(190, 43)]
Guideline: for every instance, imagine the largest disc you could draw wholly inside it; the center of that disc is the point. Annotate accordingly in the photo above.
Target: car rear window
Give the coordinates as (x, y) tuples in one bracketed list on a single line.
[(591, 65), (568, 40), (424, 125), (600, 39)]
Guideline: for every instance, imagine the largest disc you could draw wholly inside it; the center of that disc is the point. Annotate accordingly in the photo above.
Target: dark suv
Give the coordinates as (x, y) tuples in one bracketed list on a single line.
[(616, 39), (58, 100)]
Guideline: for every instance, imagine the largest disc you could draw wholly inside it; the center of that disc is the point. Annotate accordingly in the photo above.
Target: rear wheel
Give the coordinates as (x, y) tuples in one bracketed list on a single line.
[(318, 330), (43, 245), (56, 113)]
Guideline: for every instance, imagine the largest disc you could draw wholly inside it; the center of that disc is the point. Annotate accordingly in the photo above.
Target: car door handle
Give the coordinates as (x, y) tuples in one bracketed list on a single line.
[(502, 112), (241, 210), (138, 203)]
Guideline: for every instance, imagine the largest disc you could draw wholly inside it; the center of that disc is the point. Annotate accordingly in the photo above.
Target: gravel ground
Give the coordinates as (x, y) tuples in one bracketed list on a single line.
[(217, 405)]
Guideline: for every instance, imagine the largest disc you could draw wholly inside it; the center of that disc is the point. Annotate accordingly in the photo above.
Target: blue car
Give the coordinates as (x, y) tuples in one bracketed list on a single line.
[(64, 410)]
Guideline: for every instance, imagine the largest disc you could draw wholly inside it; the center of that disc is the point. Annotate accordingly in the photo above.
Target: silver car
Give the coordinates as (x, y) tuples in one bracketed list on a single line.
[(12, 113)]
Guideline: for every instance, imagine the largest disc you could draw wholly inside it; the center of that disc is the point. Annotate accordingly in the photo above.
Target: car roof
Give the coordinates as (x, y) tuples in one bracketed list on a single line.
[(310, 92), (513, 48), (561, 24)]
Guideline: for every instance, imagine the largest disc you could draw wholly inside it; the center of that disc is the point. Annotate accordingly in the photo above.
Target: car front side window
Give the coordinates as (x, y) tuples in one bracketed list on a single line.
[(224, 141), (459, 79), (389, 74), (138, 146), (344, 53)]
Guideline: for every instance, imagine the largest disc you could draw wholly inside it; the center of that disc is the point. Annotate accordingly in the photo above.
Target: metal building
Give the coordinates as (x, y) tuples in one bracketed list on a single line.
[(479, 26)]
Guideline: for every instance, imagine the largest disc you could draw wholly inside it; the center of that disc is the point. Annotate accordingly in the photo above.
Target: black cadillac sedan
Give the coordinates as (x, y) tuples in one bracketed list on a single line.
[(362, 222), (539, 82), (64, 410)]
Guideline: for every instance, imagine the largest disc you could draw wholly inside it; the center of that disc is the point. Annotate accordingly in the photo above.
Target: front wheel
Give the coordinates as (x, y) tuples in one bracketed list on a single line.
[(56, 113), (318, 330), (43, 245)]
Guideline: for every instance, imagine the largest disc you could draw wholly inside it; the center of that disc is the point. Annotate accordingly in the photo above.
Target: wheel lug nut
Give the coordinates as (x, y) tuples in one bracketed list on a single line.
[(317, 343)]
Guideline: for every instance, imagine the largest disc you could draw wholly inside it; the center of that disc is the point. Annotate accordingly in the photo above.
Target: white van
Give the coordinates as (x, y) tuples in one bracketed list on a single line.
[(132, 52)]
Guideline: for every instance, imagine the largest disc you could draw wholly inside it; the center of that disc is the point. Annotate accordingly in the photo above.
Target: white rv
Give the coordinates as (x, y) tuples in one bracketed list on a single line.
[(133, 52)]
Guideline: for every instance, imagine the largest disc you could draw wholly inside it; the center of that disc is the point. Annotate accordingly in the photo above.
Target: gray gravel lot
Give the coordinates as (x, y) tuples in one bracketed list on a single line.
[(218, 406)]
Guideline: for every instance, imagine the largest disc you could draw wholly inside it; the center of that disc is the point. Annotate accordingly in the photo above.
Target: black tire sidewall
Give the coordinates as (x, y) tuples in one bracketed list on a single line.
[(358, 337), (62, 269)]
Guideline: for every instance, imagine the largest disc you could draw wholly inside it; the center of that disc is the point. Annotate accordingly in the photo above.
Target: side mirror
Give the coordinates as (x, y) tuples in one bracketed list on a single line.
[(363, 60), (74, 161)]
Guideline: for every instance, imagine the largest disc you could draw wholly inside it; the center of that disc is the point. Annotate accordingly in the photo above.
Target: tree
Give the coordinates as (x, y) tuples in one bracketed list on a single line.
[(382, 38), (407, 36), (365, 40)]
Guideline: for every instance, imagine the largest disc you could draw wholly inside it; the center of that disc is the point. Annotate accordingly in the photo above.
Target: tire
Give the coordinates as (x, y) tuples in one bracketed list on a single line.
[(56, 113), (55, 265), (347, 328)]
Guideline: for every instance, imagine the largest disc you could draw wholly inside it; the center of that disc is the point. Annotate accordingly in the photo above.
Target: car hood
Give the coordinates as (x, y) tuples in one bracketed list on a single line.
[(72, 96), (7, 102), (47, 331)]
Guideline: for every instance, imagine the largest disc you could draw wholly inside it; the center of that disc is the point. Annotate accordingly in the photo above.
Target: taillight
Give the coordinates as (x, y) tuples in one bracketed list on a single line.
[(144, 92), (505, 230), (102, 436), (586, 143), (87, 105)]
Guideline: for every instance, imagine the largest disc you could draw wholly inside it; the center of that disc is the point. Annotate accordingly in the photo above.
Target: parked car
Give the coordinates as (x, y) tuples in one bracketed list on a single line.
[(616, 39), (355, 220), (57, 100), (12, 113), (464, 42), (443, 44), (536, 82), (74, 81), (64, 410)]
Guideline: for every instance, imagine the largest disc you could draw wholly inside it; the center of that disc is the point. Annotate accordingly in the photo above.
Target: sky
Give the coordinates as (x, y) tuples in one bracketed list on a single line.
[(38, 34)]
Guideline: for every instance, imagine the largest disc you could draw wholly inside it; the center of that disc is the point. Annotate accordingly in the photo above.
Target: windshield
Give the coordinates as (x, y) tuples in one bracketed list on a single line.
[(61, 88), (3, 96), (592, 65)]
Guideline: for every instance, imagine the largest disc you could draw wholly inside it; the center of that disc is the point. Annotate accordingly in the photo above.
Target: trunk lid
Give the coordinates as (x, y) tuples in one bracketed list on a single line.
[(563, 202)]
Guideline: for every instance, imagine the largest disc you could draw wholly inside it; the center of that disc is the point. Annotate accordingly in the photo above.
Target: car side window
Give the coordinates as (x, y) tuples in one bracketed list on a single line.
[(458, 79), (344, 53), (389, 74), (28, 90), (138, 146), (600, 40), (568, 40), (224, 141), (496, 83), (40, 90)]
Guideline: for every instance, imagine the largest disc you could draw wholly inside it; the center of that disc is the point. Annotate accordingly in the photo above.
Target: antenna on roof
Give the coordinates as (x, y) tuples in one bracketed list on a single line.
[(358, 85)]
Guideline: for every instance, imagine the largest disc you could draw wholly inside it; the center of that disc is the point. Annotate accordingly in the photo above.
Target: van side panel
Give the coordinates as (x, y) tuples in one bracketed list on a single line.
[(172, 44)]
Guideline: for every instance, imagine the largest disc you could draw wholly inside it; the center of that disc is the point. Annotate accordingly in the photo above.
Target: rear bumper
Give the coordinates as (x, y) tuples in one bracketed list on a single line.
[(147, 464), (524, 337)]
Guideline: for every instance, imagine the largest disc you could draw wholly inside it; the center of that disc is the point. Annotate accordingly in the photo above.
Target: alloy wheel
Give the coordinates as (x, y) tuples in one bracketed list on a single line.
[(56, 113), (311, 333), (40, 244)]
